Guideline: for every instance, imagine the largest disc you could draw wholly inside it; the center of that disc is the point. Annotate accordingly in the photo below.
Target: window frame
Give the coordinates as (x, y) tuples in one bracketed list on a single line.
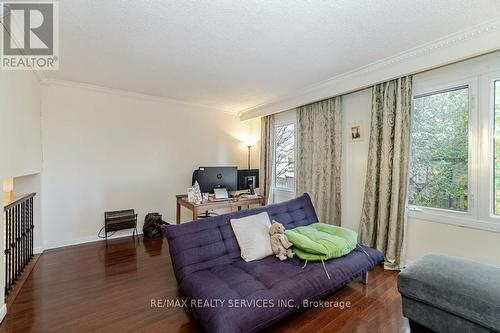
[(486, 218), (470, 194), (488, 157)]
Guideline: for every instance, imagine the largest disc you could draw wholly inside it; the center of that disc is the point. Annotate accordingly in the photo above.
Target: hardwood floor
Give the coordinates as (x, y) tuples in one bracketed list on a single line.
[(91, 288)]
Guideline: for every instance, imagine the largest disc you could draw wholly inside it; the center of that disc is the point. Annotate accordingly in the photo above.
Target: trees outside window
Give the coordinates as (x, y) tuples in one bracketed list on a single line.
[(438, 173), (285, 156)]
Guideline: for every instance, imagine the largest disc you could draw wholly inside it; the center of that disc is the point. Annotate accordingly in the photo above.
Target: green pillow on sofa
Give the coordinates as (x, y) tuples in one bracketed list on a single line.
[(319, 241)]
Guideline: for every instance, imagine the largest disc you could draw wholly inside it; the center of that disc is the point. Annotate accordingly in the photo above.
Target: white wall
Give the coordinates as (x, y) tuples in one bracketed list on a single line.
[(355, 109), (107, 151), (20, 142), (29, 184), (422, 236), (425, 236)]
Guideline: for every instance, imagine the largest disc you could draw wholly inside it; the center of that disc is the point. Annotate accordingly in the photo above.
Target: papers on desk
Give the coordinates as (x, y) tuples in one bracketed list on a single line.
[(213, 199), (250, 196), (221, 193)]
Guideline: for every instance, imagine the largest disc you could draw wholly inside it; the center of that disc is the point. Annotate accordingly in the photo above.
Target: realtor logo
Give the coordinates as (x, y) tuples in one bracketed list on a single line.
[(30, 35)]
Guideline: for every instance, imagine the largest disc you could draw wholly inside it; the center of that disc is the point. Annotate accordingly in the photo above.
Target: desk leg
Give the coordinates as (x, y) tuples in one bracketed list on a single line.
[(195, 213), (178, 217), (239, 208)]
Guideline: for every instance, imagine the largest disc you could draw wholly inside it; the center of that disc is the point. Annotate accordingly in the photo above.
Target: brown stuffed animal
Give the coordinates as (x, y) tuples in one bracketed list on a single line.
[(279, 243)]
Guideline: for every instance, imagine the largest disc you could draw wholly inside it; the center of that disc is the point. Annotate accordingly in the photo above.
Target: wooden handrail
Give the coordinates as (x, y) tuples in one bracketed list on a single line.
[(17, 201)]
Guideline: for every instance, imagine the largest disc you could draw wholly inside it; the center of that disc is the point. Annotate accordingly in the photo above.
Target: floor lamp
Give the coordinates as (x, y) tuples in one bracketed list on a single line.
[(249, 147)]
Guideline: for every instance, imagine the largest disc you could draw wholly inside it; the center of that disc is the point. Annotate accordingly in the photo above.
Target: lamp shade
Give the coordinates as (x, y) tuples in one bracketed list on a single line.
[(8, 184), (249, 143)]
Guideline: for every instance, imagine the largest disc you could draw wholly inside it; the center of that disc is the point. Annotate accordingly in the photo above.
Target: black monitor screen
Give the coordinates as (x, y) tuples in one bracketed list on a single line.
[(248, 178), (217, 177)]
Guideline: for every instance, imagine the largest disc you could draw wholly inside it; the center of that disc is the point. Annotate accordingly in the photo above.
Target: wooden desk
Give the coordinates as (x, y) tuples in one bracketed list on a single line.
[(209, 205)]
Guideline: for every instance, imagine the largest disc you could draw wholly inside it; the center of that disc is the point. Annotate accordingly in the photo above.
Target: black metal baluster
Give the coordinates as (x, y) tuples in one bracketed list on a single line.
[(13, 243), (25, 243), (7, 246), (16, 245), (26, 234), (13, 246), (11, 252), (23, 236), (21, 218), (28, 209), (32, 229), (6, 219), (20, 243), (28, 231), (20, 239), (11, 218)]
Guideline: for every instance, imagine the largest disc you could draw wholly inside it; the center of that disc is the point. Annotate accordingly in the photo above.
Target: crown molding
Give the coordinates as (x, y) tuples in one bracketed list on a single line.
[(475, 41), (130, 94)]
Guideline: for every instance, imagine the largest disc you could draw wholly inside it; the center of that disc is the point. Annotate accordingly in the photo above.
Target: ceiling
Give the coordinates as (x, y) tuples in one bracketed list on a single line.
[(234, 55)]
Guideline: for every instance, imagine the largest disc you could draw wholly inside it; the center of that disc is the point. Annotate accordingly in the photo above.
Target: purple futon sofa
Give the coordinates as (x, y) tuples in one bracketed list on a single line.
[(230, 295)]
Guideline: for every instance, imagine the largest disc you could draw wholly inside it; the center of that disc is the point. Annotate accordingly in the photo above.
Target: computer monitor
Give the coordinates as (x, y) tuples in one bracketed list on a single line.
[(248, 179), (217, 177)]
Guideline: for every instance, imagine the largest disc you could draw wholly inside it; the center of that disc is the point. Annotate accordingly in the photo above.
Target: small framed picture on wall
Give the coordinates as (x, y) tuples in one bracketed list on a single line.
[(357, 133)]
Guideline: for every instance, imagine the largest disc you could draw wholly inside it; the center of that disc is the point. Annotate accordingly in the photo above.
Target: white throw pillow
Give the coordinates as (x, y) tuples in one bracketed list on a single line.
[(252, 234)]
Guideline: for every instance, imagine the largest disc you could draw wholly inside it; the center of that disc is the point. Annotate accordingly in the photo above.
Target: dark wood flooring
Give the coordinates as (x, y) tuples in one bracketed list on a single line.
[(91, 288)]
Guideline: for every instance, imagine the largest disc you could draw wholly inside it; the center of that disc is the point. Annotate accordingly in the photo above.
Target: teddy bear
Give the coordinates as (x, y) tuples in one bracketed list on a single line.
[(279, 242)]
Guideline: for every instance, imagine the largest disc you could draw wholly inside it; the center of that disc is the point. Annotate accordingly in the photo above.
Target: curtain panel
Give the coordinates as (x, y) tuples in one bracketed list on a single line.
[(266, 156), (319, 138), (383, 216)]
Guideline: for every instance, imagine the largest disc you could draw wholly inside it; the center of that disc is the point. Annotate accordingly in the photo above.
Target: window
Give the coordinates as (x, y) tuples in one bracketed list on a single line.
[(284, 139), (497, 147), (454, 171), (439, 162)]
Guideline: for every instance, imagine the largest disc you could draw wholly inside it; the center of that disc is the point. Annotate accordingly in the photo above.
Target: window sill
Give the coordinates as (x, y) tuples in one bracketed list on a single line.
[(456, 220)]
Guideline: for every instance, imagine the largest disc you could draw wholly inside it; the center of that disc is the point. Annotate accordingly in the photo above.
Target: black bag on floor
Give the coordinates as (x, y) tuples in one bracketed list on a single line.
[(152, 225)]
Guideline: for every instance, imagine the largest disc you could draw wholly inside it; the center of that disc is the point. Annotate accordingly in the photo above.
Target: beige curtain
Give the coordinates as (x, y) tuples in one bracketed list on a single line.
[(266, 156), (383, 216), (319, 147)]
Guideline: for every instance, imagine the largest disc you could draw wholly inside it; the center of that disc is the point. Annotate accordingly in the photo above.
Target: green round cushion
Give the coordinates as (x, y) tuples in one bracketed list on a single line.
[(320, 241)]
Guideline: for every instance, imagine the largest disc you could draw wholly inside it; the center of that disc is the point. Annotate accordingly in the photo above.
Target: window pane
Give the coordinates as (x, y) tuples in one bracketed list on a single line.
[(439, 150), (497, 147), (285, 156)]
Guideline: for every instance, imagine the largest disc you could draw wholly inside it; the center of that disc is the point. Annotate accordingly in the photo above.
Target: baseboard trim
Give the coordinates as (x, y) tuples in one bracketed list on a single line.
[(3, 312), (83, 240), (38, 250)]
